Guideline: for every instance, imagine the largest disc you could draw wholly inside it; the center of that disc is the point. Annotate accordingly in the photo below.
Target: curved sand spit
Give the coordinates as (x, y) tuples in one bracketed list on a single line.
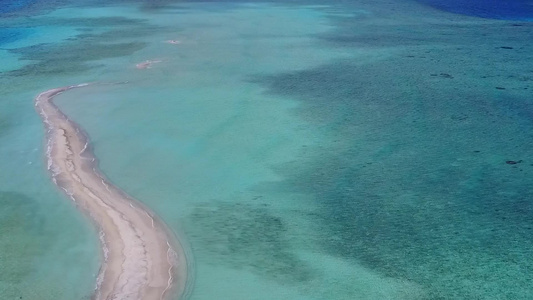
[(142, 259)]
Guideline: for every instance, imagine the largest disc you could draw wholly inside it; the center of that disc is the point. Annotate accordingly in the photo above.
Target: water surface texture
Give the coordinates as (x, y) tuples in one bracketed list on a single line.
[(494, 9), (302, 149)]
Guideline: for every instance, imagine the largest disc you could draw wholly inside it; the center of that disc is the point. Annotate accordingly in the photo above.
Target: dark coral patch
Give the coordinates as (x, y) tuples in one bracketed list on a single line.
[(243, 236)]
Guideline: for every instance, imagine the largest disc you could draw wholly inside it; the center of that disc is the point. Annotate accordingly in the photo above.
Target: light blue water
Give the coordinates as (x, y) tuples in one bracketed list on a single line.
[(324, 151)]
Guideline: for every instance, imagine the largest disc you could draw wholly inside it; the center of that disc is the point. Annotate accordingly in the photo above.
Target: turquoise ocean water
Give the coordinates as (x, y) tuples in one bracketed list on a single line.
[(304, 149)]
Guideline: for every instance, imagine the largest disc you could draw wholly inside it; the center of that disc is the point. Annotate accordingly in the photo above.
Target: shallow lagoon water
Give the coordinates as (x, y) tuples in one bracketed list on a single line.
[(327, 151)]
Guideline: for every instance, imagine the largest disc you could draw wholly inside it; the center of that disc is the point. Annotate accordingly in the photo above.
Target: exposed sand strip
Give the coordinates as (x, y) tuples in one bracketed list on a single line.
[(142, 259)]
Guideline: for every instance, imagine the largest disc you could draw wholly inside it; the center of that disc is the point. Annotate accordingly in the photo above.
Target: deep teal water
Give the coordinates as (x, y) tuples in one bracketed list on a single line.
[(8, 35), (496, 9), (419, 179), (10, 6)]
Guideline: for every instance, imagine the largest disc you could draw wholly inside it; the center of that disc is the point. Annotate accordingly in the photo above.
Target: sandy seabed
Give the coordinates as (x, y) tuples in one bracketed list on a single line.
[(142, 259)]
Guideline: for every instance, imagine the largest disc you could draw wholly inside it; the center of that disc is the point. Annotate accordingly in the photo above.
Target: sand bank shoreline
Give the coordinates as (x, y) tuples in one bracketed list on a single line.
[(142, 259)]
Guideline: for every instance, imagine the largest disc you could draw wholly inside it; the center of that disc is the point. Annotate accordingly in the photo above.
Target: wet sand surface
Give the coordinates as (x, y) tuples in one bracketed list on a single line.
[(146, 64), (141, 257)]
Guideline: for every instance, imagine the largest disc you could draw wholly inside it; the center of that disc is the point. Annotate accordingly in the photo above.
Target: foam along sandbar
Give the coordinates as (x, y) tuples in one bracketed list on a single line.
[(147, 64), (141, 257)]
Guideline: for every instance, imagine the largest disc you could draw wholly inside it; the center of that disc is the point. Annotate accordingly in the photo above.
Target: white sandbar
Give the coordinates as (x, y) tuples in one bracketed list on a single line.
[(142, 260)]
